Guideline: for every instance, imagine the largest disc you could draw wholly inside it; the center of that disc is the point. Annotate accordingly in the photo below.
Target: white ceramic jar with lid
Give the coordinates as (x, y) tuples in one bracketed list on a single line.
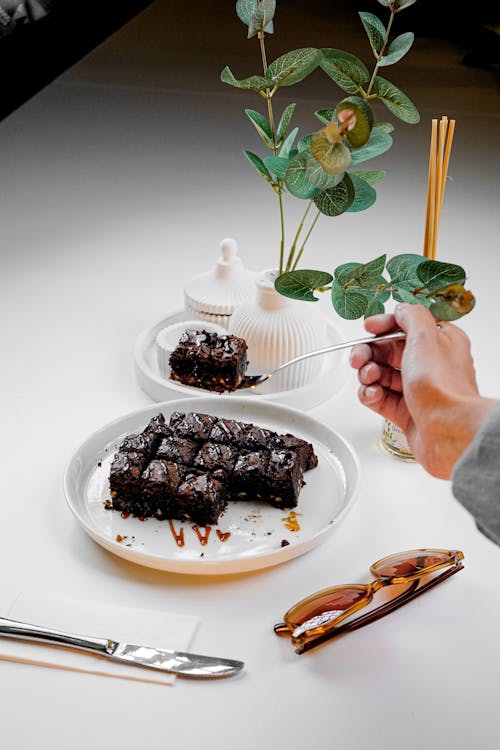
[(214, 295)]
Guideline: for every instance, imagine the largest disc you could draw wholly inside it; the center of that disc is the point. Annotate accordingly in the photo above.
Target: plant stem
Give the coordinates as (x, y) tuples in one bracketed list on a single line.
[(296, 238), (380, 55), (261, 37), (307, 237)]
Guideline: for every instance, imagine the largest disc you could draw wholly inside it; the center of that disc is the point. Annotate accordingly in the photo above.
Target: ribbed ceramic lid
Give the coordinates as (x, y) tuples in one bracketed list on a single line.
[(220, 290)]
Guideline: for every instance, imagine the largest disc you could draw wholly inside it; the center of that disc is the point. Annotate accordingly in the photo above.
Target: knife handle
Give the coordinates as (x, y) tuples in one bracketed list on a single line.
[(27, 632)]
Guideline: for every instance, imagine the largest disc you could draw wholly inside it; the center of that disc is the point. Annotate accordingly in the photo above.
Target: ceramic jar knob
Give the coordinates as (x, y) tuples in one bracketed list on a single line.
[(213, 295)]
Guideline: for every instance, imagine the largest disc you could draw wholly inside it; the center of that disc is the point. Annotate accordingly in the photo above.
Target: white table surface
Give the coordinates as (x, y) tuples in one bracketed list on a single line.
[(111, 195)]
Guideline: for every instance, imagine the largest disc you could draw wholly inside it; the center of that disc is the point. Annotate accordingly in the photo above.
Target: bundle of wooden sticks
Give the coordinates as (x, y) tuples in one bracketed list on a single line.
[(439, 159)]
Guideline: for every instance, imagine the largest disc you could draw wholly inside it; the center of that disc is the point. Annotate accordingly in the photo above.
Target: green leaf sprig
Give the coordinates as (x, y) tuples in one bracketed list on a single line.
[(361, 289), (317, 168)]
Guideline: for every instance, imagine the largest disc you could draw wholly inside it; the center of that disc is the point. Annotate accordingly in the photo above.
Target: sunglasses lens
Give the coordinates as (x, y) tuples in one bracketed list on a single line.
[(326, 605), (410, 563)]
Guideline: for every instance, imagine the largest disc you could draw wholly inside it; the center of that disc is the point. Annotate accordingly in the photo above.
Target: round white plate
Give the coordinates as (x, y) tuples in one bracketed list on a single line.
[(332, 372), (259, 536)]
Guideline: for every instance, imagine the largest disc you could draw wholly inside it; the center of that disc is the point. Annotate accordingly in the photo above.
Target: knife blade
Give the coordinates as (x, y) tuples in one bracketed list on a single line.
[(181, 663)]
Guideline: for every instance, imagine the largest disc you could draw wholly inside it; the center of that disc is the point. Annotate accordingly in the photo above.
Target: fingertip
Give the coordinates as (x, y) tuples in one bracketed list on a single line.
[(410, 316), (360, 355), (370, 394), (380, 323)]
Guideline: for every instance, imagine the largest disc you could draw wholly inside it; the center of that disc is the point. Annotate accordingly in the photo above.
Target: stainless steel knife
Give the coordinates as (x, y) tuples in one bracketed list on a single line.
[(177, 662)]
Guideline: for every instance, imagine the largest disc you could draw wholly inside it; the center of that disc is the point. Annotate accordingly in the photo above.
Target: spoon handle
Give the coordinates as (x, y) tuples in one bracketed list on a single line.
[(396, 336)]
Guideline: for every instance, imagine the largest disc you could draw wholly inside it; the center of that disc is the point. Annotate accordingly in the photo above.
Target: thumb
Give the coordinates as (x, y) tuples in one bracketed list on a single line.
[(414, 319)]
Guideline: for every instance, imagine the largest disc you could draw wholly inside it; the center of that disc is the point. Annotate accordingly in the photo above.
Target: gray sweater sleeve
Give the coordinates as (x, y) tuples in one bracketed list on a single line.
[(476, 477)]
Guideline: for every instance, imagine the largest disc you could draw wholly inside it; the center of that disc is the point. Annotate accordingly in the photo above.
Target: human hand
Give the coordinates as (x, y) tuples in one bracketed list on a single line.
[(425, 384)]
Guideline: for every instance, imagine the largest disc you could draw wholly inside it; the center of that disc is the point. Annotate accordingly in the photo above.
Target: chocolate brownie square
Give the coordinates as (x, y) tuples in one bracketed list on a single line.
[(283, 479), (201, 498), (228, 362), (143, 443), (248, 477), (179, 449), (212, 456), (125, 478), (305, 451), (209, 360), (159, 484), (228, 431), (192, 425), (257, 438), (158, 427)]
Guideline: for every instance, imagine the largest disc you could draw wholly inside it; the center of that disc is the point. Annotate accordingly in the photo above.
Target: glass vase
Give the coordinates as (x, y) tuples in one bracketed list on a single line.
[(394, 442)]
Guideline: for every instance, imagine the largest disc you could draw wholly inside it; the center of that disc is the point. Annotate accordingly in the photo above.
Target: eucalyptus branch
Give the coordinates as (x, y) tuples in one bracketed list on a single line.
[(379, 56), (261, 36), (305, 241), (316, 167), (296, 238)]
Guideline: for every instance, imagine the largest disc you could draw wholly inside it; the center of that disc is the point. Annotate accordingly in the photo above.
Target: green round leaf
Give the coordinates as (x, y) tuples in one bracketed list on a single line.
[(318, 177), (304, 143), (404, 268), (259, 165), (346, 272), (367, 275), (349, 305), (361, 104), (400, 4), (378, 143), (277, 165), (371, 176), (434, 275), (296, 179), (443, 310), (261, 125), (385, 127), (286, 146), (293, 66), (333, 157), (325, 115), (261, 18), (345, 69), (395, 101), (360, 133), (245, 10), (397, 49), (256, 83), (364, 195), (301, 284), (284, 122), (335, 201), (375, 307), (375, 30)]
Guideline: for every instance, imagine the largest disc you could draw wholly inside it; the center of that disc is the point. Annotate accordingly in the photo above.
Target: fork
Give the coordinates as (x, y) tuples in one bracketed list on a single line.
[(251, 381)]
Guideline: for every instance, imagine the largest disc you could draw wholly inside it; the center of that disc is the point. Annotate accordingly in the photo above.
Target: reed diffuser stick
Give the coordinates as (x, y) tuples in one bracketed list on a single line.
[(439, 159)]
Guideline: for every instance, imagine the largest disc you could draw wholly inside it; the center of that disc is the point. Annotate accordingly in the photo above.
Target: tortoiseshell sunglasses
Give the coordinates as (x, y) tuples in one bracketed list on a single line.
[(323, 615)]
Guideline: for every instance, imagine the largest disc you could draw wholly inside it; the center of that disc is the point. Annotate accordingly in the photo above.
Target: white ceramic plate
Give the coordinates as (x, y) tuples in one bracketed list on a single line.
[(259, 536), (332, 372)]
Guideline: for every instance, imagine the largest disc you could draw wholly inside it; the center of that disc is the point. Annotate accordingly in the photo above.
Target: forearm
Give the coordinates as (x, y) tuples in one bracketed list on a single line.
[(476, 476)]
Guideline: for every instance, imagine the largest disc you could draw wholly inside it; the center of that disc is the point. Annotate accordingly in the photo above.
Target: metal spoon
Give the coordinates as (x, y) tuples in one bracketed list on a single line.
[(250, 381)]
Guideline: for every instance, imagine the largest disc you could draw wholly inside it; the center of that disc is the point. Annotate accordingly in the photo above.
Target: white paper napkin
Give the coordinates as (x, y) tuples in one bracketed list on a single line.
[(138, 626)]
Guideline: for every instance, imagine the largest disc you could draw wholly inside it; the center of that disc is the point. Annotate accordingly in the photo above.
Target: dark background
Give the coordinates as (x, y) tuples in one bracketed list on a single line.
[(40, 39)]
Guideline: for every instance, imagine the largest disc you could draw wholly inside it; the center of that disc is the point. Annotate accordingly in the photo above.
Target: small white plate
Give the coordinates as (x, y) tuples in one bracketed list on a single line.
[(257, 531), (332, 372)]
